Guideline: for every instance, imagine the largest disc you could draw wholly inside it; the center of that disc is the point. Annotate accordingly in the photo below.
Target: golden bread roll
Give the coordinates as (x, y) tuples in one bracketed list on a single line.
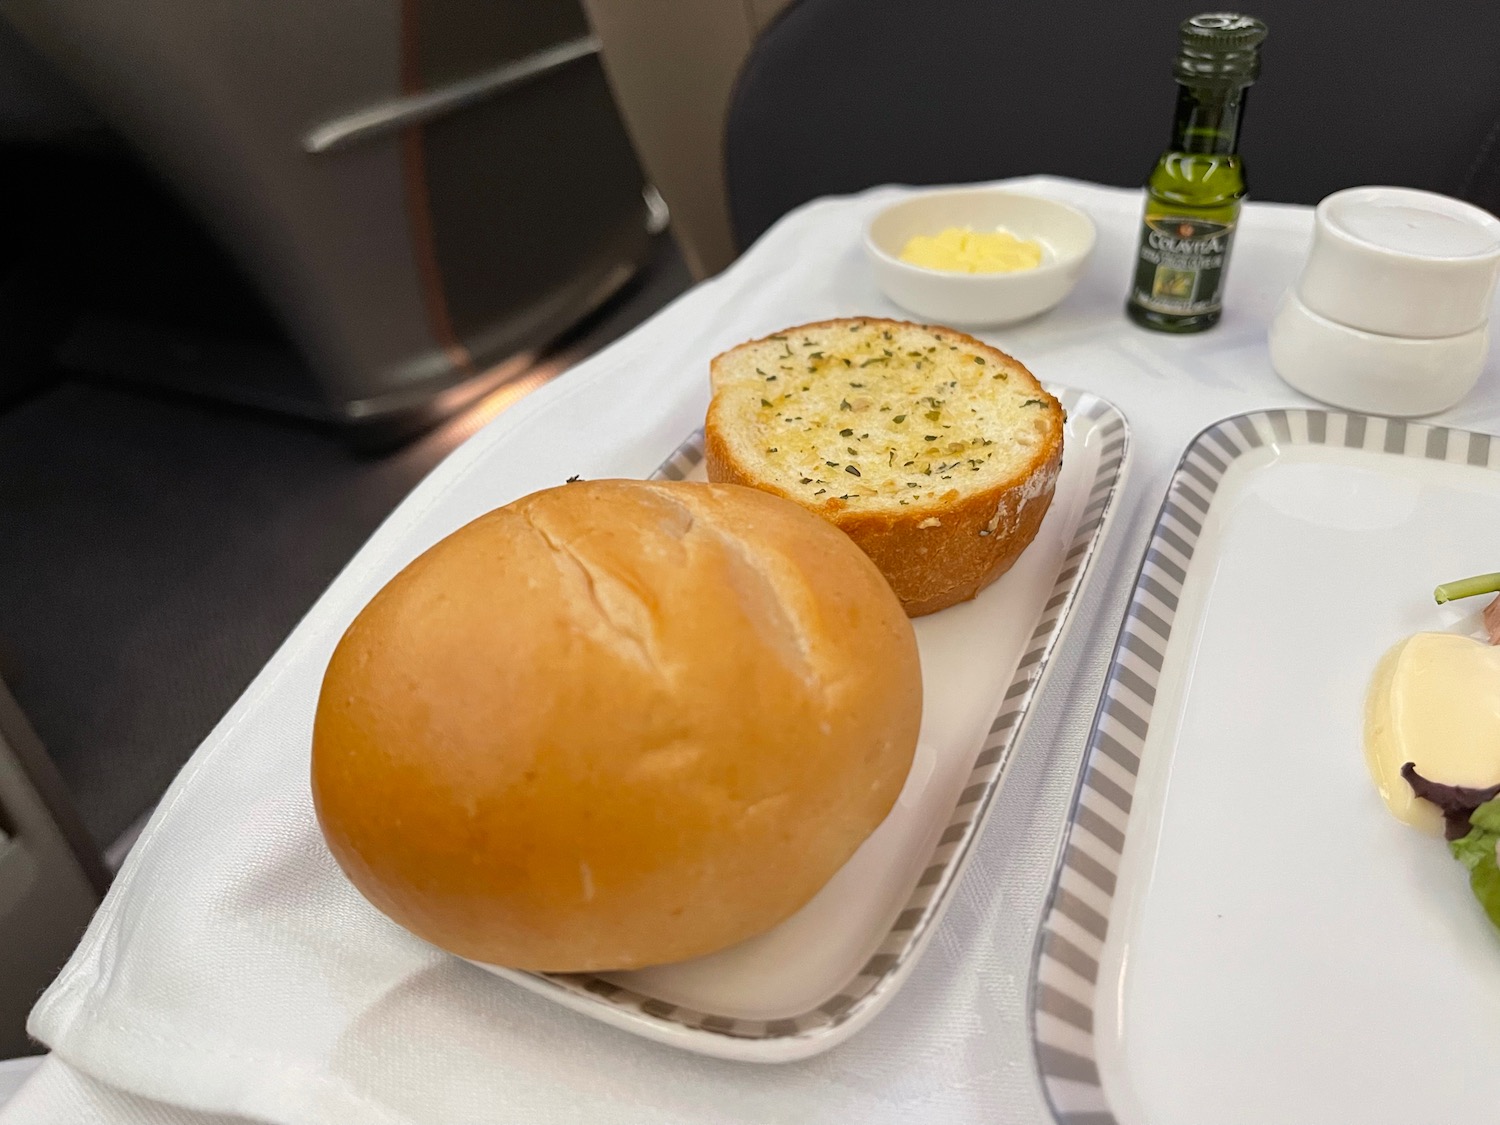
[(614, 724)]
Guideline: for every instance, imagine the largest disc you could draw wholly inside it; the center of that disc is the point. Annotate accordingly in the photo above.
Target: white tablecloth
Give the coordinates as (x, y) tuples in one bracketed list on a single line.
[(232, 971)]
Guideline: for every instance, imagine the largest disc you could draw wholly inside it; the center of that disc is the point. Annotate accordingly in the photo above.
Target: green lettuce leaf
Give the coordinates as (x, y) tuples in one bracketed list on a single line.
[(1476, 851), (1472, 849), (1484, 881), (1487, 816)]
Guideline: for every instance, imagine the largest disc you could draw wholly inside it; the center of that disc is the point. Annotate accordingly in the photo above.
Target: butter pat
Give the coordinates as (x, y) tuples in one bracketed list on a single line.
[(962, 250), (1434, 701)]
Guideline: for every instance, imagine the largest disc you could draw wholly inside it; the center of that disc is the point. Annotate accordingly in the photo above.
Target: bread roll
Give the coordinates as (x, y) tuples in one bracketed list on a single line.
[(935, 452), (615, 724)]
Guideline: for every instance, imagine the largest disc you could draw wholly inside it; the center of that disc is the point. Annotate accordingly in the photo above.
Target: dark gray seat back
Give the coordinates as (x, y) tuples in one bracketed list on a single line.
[(839, 95)]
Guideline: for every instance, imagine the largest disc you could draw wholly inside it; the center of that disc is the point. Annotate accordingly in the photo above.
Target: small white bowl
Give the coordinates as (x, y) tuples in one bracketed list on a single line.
[(1362, 371), (1401, 262), (978, 300)]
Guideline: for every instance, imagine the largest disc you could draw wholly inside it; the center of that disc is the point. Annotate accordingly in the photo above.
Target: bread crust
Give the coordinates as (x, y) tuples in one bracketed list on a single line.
[(977, 535)]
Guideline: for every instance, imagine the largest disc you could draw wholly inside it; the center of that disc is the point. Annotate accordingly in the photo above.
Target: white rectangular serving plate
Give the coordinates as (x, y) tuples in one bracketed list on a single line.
[(818, 977), (1240, 933)]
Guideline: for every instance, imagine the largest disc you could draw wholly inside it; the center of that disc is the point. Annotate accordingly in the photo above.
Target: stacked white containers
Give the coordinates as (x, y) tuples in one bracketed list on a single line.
[(1391, 313)]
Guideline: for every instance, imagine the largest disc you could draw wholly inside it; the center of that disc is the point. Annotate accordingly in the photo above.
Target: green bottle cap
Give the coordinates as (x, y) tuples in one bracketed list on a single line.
[(1220, 48)]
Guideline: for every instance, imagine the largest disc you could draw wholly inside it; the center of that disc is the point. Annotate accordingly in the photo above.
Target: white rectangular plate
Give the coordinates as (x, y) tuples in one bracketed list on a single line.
[(823, 973), (1240, 933)]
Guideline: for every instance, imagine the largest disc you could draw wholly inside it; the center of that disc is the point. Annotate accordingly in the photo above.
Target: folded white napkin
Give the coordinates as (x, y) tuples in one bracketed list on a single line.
[(13, 1072), (233, 970)]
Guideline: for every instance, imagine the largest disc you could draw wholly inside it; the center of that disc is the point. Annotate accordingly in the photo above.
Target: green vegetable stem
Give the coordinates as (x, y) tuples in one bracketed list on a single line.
[(1468, 587)]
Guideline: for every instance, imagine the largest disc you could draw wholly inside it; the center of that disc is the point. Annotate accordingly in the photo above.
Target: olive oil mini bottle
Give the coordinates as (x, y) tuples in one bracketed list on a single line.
[(1193, 195)]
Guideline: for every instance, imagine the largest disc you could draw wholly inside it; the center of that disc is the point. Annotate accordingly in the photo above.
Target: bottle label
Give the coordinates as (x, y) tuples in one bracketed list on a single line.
[(1180, 268)]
